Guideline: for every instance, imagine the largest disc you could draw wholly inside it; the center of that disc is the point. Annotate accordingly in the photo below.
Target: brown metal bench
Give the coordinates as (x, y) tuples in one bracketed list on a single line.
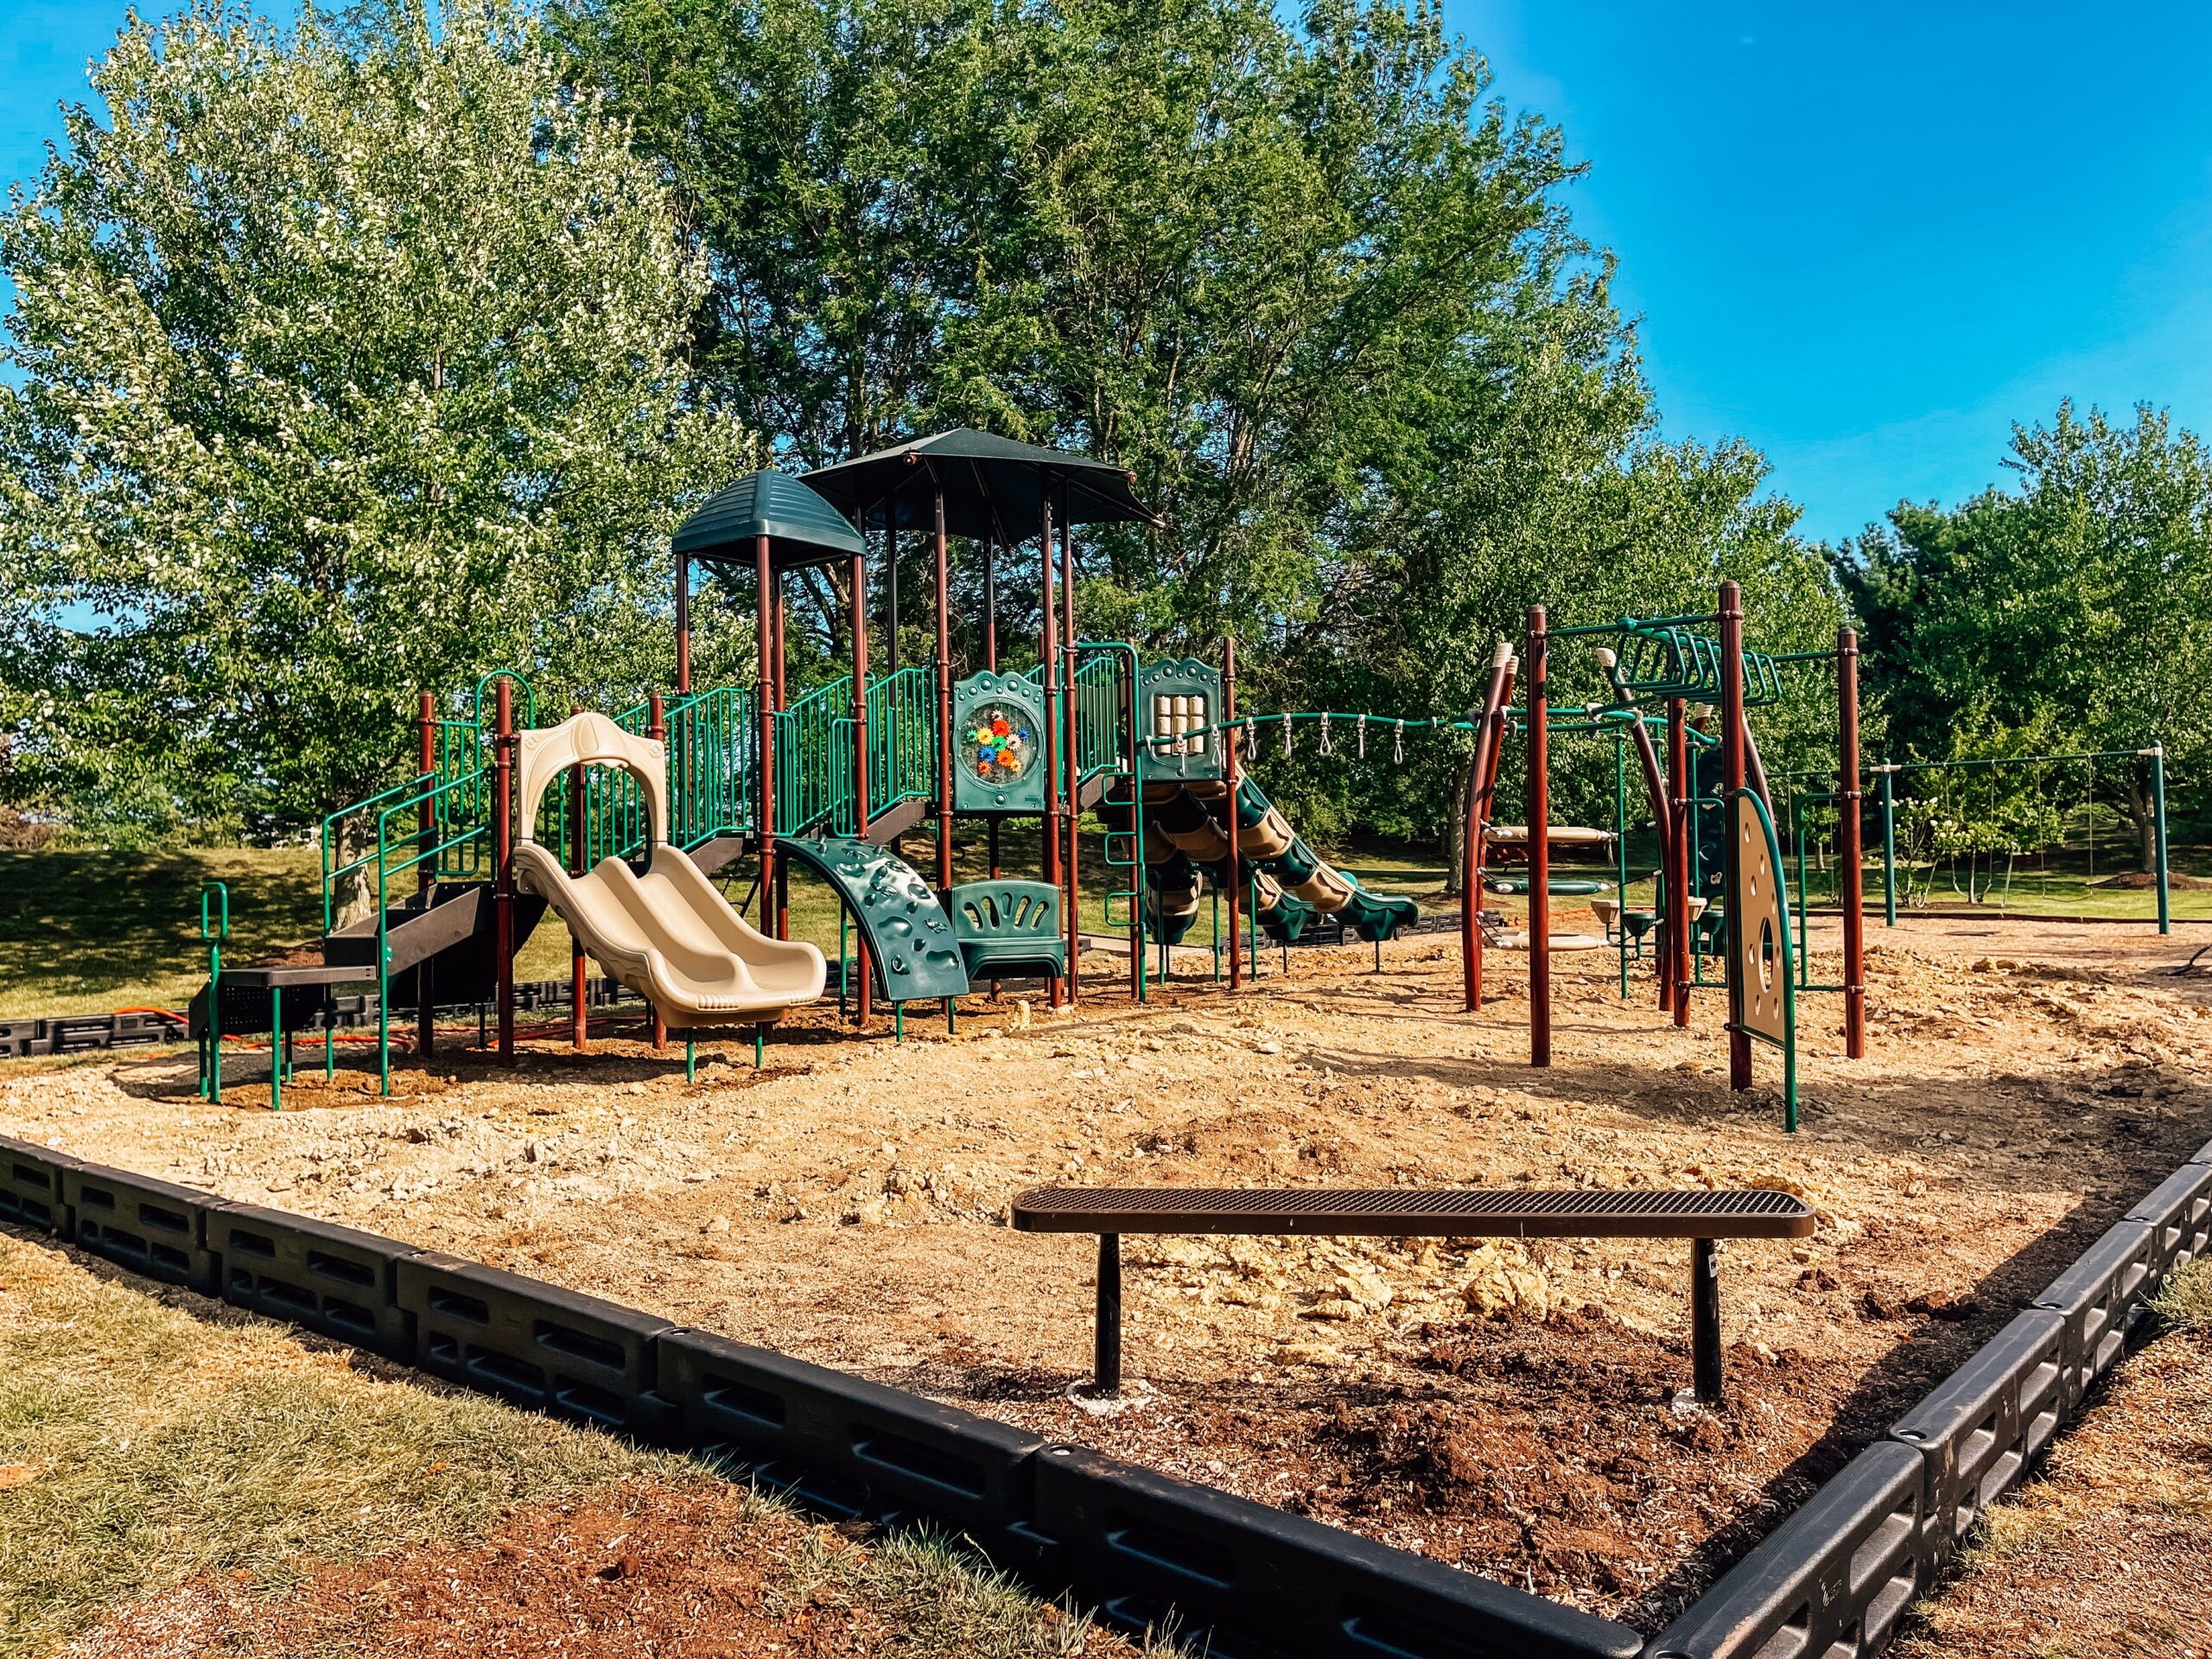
[(1699, 1216)]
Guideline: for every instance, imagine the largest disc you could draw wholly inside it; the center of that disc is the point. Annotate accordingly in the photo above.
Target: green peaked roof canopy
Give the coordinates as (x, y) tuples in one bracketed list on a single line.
[(993, 486), (801, 527)]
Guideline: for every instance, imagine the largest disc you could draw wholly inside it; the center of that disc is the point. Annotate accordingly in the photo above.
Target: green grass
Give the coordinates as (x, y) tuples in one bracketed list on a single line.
[(2035, 890), (163, 1448), (2186, 1302), (86, 932), (140, 1447)]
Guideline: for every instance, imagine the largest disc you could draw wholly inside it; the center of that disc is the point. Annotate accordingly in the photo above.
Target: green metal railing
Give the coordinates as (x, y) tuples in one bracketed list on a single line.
[(1664, 660), (901, 749), (1101, 737), (808, 750)]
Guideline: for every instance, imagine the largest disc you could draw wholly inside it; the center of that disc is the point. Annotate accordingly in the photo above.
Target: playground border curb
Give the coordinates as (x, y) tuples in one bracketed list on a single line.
[(1835, 1578), (1240, 1578)]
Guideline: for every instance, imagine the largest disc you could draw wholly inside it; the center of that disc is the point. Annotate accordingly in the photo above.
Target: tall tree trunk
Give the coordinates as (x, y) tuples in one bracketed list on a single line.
[(2146, 827)]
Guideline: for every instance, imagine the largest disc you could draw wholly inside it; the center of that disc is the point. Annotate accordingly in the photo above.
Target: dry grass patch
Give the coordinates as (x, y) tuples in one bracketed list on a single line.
[(175, 1474), (2109, 1553)]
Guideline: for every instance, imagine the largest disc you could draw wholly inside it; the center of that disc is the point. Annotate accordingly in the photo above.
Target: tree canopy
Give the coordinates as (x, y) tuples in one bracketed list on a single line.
[(349, 363), (1318, 291), (355, 358), (2075, 608)]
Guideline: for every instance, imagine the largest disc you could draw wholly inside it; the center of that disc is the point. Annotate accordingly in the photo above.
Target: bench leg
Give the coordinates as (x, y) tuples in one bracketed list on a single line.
[(1107, 1362), (1705, 1321)]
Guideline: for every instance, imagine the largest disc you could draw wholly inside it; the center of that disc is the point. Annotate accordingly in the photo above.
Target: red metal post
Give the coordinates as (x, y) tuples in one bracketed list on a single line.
[(1231, 875), (579, 1034), (1048, 655), (863, 968), (763, 697), (991, 652), (1540, 847), (783, 875), (683, 624), (1471, 833), (656, 729), (503, 853), (426, 755), (1848, 793), (1733, 771), (944, 714), (1676, 848), (1072, 745), (1490, 760)]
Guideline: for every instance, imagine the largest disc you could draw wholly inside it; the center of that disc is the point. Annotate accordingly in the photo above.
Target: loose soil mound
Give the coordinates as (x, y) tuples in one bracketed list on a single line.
[(2145, 881), (645, 1571)]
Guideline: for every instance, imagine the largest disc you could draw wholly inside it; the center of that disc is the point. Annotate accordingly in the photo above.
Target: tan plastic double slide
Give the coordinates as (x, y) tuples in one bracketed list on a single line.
[(669, 934)]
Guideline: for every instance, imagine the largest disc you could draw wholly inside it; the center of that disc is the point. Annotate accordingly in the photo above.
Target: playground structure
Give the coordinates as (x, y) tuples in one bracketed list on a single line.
[(1722, 884), (625, 823)]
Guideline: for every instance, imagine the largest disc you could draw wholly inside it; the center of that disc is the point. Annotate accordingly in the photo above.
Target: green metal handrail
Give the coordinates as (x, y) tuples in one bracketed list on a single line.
[(1100, 713), (901, 747), (331, 836), (809, 751)]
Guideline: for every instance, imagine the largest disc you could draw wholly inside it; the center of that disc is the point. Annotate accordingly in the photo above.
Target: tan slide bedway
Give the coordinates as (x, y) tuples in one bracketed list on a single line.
[(668, 934)]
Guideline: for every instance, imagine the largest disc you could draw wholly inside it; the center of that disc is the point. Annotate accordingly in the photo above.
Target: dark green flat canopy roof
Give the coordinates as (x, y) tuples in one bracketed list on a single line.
[(801, 527), (993, 487)]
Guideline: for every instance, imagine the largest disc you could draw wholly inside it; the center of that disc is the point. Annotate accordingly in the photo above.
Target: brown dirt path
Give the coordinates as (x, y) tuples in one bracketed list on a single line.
[(1511, 1410)]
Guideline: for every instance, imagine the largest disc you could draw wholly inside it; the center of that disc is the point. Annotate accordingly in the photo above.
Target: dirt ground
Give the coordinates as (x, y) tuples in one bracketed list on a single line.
[(2109, 1554), (646, 1570), (1516, 1411)]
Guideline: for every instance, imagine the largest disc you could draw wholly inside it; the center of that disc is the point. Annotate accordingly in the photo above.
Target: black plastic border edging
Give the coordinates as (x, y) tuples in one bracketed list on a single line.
[(1239, 1577), (1830, 1581), (1236, 1577)]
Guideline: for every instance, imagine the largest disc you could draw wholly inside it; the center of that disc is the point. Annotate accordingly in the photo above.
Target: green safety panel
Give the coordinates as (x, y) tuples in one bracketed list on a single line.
[(1573, 884), (998, 732), (908, 934), (1006, 928), (1175, 697)]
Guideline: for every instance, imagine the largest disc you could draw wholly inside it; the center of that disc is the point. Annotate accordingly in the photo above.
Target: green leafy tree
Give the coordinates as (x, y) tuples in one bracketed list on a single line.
[(348, 362), (2084, 601), (1306, 279), (1994, 799)]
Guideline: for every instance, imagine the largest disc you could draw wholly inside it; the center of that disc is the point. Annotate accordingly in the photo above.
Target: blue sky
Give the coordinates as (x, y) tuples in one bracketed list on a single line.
[(1866, 238), (1870, 237)]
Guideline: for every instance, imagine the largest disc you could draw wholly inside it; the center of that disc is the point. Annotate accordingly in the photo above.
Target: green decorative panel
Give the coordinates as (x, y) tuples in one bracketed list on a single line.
[(1176, 699), (998, 747)]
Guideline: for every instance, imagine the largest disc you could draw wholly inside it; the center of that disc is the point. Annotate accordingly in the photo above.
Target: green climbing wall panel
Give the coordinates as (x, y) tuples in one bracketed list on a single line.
[(907, 931), (1175, 697)]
